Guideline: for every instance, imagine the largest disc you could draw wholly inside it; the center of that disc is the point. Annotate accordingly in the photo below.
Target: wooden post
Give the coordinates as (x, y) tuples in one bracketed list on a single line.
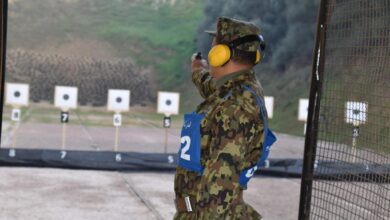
[(166, 140), (63, 147), (116, 138)]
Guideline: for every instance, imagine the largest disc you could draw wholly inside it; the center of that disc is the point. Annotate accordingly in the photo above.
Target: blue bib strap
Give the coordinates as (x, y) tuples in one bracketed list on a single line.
[(269, 139), (260, 104)]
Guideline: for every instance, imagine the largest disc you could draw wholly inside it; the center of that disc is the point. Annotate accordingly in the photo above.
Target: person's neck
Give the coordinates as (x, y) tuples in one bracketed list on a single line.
[(229, 70)]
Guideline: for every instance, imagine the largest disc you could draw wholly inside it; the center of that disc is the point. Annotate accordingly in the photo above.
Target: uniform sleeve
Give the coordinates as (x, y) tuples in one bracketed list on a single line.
[(204, 82), (232, 130)]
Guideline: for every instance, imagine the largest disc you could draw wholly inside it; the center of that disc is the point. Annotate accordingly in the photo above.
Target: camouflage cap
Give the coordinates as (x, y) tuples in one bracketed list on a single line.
[(229, 29)]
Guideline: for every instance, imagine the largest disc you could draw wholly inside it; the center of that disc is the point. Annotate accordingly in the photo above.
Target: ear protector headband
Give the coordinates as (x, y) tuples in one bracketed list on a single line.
[(220, 54)]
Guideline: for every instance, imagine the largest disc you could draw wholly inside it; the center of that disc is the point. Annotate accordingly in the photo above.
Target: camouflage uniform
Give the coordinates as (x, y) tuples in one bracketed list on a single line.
[(231, 140)]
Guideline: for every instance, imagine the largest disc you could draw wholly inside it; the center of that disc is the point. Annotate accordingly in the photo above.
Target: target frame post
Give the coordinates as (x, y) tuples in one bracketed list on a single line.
[(118, 101), (167, 104), (303, 112), (355, 114), (65, 98), (269, 102), (269, 105), (17, 96), (166, 124)]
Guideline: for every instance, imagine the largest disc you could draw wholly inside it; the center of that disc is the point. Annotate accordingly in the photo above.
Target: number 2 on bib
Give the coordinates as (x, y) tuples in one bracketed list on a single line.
[(187, 141)]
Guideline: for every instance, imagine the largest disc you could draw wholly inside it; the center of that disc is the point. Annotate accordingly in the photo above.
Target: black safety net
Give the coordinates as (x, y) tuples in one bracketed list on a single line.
[(347, 173)]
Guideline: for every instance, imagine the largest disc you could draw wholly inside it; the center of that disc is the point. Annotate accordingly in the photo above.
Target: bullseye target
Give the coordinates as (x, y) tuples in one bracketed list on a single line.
[(65, 97), (168, 103), (356, 113), (118, 100), (17, 94)]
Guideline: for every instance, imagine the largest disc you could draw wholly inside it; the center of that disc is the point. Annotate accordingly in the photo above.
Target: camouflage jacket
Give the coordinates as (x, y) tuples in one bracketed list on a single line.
[(231, 140)]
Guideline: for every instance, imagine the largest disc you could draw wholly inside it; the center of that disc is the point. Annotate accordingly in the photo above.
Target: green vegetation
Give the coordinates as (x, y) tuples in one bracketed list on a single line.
[(152, 33), (164, 36), (159, 36)]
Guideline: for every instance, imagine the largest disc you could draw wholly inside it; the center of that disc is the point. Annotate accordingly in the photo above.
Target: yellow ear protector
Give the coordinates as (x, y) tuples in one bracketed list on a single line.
[(220, 54)]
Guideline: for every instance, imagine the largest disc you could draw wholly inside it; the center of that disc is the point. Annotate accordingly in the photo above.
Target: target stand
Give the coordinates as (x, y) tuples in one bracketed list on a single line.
[(355, 114), (65, 98), (303, 110), (17, 96), (167, 104), (118, 102), (269, 105)]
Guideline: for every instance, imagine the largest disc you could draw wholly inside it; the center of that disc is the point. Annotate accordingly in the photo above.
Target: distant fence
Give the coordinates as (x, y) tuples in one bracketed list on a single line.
[(349, 114)]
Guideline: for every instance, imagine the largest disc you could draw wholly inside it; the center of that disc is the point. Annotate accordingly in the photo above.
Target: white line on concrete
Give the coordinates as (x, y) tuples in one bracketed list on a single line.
[(94, 145), (145, 201)]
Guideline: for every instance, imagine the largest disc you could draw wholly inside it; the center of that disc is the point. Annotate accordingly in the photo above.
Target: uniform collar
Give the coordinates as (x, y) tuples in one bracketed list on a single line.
[(229, 80), (226, 84)]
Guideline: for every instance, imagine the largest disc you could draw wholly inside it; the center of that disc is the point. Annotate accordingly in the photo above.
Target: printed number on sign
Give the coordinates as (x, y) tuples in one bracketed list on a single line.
[(63, 154), (251, 172), (117, 120), (64, 117), (187, 141)]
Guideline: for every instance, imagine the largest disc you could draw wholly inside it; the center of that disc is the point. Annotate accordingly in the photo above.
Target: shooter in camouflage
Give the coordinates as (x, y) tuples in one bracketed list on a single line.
[(231, 130)]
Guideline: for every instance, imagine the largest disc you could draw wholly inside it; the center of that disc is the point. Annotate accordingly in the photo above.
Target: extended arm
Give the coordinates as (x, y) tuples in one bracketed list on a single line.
[(202, 78)]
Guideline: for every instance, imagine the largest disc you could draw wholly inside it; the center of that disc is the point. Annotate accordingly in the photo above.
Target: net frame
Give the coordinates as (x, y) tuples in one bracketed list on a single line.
[(3, 43), (350, 59)]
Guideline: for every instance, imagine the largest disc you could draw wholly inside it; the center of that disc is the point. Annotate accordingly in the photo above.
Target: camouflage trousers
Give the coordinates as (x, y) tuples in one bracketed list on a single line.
[(241, 211)]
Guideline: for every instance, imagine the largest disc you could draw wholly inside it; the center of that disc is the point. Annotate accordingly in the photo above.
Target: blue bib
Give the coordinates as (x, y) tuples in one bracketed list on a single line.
[(189, 152)]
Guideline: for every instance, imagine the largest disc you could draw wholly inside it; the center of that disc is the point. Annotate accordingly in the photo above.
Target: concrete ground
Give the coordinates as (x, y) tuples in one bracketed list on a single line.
[(34, 193)]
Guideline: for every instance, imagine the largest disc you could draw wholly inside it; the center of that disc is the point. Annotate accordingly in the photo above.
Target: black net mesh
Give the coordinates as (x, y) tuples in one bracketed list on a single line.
[(352, 160)]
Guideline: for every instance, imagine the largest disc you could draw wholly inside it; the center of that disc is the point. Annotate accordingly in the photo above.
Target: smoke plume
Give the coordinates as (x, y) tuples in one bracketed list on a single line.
[(288, 27)]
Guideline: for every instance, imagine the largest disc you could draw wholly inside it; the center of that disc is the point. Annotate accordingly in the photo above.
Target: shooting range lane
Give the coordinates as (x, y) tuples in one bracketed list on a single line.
[(146, 139), (91, 195)]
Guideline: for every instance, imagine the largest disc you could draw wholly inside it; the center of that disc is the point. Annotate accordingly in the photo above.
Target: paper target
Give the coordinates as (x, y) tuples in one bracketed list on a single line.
[(303, 109), (356, 113), (118, 100), (17, 94), (168, 103), (65, 97), (269, 105)]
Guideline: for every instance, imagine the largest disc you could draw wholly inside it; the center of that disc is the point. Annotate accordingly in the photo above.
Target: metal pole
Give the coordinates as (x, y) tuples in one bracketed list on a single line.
[(3, 44), (313, 115)]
